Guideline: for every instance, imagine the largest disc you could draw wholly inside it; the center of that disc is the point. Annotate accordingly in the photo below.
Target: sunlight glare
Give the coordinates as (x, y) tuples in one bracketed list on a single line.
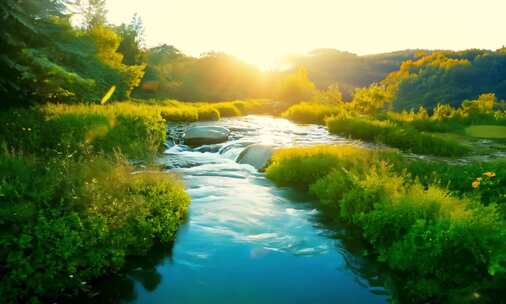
[(261, 32)]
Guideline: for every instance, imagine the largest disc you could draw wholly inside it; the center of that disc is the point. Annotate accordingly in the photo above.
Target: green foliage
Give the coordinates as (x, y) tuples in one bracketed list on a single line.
[(93, 11), (311, 112), (460, 178), (47, 59), (439, 247), (211, 77), (331, 95), (227, 109), (66, 221), (371, 100), (207, 113), (405, 138), (326, 67), (172, 110), (487, 131), (304, 166), (296, 87), (132, 42), (445, 118), (138, 131), (447, 77)]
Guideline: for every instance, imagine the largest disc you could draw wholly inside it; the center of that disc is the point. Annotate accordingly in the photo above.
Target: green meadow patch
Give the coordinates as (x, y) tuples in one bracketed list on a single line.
[(487, 131)]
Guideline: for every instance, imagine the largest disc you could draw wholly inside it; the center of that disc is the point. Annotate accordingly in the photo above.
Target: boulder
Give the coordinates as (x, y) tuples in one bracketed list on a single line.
[(202, 135), (256, 155)]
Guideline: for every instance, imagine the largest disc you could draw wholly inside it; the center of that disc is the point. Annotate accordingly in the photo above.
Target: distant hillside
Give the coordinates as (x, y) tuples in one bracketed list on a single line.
[(330, 66), (447, 77)]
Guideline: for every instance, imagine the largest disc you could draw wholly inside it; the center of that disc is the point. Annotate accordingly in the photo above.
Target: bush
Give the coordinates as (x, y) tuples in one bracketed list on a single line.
[(439, 247), (445, 118), (65, 222), (386, 132), (227, 109), (311, 112), (461, 179), (208, 113)]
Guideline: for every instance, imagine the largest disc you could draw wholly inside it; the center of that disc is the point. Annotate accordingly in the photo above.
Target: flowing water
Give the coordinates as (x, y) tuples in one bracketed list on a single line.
[(246, 240)]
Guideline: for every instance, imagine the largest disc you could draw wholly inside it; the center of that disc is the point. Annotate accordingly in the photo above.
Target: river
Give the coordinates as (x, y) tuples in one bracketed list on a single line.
[(246, 240)]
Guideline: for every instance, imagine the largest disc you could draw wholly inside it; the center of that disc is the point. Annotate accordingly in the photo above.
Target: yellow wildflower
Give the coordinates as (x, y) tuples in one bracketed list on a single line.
[(476, 184), (489, 174)]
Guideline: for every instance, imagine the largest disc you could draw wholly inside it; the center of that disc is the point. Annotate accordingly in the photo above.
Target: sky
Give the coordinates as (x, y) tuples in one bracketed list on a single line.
[(261, 32)]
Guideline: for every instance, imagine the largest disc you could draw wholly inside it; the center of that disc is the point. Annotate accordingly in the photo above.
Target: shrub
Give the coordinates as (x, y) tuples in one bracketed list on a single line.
[(311, 112), (227, 109), (208, 113), (459, 178), (65, 222), (439, 247)]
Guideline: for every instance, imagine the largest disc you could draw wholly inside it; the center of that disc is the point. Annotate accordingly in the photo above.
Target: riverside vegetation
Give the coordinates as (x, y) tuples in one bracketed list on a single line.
[(76, 206), (80, 191), (441, 233)]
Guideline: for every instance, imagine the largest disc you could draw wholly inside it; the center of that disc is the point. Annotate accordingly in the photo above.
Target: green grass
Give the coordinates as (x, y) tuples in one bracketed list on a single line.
[(440, 247), (391, 134), (137, 131), (311, 112), (176, 111), (486, 131)]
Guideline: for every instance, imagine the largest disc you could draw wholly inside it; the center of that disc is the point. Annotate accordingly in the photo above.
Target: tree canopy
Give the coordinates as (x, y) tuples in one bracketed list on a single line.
[(46, 58)]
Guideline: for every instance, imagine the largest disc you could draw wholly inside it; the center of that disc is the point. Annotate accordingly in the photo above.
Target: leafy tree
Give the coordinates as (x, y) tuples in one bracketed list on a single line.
[(328, 66), (370, 100), (45, 58), (332, 95), (211, 77), (132, 41), (93, 11), (24, 25), (296, 87), (448, 77)]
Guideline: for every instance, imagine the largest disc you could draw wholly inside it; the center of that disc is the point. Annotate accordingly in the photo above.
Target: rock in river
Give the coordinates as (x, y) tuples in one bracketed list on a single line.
[(256, 155), (204, 135)]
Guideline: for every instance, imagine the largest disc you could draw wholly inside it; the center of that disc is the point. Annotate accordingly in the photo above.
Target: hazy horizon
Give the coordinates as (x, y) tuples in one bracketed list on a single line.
[(261, 32)]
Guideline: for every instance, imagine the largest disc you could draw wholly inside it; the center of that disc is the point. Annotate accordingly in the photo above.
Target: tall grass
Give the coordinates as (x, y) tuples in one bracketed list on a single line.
[(55, 129), (441, 248), (176, 111), (311, 112), (386, 132)]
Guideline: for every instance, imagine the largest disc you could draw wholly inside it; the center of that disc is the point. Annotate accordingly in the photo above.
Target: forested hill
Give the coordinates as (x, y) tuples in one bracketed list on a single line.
[(217, 76), (447, 77), (329, 66), (45, 57), (211, 77)]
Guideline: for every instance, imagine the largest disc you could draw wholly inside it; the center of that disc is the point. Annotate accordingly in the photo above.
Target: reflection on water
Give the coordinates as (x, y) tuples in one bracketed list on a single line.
[(247, 241)]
